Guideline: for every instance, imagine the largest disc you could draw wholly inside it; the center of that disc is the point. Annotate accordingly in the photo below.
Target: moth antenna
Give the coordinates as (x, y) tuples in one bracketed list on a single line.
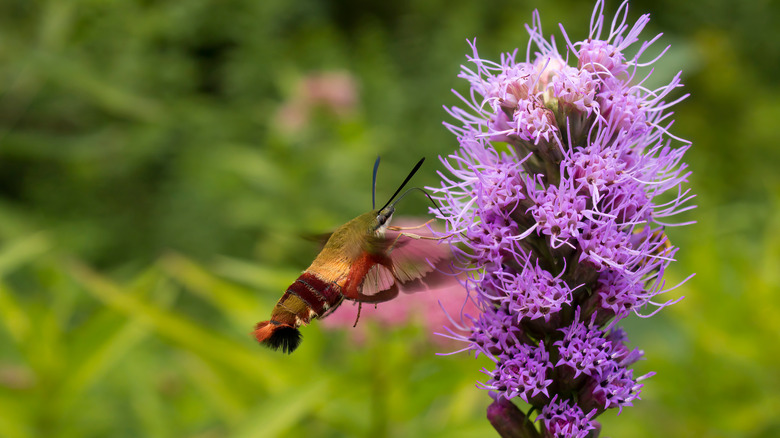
[(373, 184), (408, 177), (425, 193)]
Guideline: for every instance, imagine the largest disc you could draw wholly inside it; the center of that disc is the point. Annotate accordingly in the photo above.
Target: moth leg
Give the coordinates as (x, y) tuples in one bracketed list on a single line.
[(357, 318), (416, 237), (385, 295), (394, 228)]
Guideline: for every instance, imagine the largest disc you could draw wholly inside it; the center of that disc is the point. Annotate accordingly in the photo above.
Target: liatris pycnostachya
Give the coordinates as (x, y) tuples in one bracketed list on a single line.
[(556, 204)]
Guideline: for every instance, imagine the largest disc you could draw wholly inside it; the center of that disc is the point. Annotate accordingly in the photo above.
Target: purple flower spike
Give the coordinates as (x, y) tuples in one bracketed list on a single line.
[(556, 204)]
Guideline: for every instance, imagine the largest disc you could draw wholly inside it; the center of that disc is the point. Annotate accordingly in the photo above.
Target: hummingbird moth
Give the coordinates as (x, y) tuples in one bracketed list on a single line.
[(365, 260)]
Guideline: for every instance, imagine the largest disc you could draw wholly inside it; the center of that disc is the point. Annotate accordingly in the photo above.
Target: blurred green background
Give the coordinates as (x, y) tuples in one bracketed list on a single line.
[(159, 160)]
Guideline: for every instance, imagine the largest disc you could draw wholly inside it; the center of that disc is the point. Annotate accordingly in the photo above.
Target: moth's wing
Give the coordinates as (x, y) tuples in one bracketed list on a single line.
[(419, 264), (378, 280), (370, 277), (319, 238), (406, 264)]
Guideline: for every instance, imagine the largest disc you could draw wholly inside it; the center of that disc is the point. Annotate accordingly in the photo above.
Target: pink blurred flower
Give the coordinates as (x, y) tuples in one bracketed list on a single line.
[(426, 308), (333, 91)]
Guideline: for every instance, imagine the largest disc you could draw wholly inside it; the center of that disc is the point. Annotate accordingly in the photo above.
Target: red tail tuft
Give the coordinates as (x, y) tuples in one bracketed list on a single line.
[(276, 335)]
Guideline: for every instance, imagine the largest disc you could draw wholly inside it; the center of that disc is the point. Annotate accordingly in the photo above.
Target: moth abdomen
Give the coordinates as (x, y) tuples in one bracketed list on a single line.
[(276, 335)]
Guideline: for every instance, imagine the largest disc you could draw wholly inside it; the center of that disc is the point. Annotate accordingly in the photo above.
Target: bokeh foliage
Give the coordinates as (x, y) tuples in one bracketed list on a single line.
[(151, 200)]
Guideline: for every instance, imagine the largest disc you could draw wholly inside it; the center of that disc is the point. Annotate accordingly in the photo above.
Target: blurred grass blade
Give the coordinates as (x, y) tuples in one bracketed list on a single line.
[(212, 383), (282, 412), (234, 301), (91, 85), (252, 365), (13, 317), (259, 276), (115, 340), (23, 250), (13, 423)]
